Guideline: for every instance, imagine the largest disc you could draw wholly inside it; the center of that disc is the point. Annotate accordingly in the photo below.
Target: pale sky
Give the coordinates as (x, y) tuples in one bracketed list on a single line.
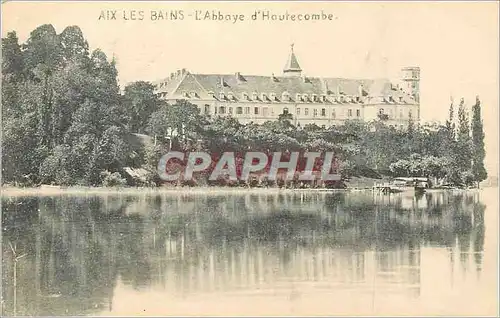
[(454, 43)]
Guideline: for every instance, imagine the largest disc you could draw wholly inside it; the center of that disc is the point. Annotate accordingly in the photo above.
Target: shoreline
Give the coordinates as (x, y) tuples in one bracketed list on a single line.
[(10, 191)]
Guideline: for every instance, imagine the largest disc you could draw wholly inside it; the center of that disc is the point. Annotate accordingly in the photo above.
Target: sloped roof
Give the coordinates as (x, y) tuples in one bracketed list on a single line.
[(369, 90)]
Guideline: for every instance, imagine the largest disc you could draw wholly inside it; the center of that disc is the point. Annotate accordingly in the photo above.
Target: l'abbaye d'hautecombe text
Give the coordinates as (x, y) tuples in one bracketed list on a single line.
[(213, 15)]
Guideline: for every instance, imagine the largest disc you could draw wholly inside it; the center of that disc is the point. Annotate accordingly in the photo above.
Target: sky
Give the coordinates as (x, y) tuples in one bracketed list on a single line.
[(454, 43)]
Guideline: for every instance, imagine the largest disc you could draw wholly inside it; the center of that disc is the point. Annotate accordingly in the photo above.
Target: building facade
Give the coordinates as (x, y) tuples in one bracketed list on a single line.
[(322, 101)]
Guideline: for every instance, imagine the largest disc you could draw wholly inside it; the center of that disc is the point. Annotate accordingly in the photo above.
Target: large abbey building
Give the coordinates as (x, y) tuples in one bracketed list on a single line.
[(323, 101)]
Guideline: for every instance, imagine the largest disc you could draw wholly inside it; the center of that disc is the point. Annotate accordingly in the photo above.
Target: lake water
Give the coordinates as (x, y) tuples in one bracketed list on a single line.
[(254, 254)]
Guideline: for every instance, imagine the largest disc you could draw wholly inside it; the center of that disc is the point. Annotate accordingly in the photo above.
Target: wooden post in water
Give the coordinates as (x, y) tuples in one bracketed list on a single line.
[(16, 258)]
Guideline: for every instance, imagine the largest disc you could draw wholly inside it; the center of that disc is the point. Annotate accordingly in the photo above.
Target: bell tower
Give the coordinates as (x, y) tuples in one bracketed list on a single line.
[(410, 77)]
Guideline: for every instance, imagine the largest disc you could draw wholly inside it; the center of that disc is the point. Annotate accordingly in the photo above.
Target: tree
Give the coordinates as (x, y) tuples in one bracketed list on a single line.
[(478, 151), (12, 58), (74, 47), (43, 48), (464, 154), (450, 123), (140, 101)]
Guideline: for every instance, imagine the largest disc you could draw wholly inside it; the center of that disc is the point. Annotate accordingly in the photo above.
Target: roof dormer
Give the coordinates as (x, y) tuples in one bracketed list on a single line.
[(285, 96)]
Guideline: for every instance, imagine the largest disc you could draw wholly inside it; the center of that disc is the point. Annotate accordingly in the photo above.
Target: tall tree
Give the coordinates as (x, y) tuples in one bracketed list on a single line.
[(12, 59), (450, 123), (478, 151), (463, 139)]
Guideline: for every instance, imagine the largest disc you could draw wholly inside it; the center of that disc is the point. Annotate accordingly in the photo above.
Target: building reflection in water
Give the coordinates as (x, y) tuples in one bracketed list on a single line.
[(78, 248)]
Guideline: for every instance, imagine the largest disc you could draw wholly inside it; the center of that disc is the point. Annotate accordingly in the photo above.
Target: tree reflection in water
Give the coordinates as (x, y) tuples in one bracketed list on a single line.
[(78, 247)]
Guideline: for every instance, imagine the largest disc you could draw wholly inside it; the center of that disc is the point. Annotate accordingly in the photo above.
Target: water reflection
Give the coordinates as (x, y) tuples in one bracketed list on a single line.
[(80, 250)]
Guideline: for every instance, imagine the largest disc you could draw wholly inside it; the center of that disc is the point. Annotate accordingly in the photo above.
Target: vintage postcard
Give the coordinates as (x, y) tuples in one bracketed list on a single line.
[(249, 158)]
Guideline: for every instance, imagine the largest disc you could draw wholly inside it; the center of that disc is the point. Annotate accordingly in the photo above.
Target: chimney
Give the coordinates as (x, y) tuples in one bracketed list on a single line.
[(172, 75), (178, 72), (183, 71)]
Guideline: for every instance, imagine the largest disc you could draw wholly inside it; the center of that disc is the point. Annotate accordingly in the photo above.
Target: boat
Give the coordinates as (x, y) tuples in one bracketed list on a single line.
[(417, 185)]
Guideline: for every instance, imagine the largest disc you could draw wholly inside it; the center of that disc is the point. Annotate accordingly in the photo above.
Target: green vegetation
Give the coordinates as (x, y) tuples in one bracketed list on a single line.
[(65, 122)]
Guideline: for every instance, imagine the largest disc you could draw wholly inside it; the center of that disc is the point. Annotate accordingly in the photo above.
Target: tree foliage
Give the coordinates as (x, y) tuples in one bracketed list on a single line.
[(65, 122)]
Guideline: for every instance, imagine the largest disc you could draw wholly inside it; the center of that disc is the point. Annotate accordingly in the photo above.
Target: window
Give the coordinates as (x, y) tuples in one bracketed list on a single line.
[(207, 109), (323, 126), (256, 110), (239, 110), (334, 115), (297, 97), (409, 113), (230, 110), (244, 96), (314, 97), (247, 110), (401, 113), (358, 99), (255, 96), (263, 96), (285, 111), (305, 97), (221, 95), (230, 96), (400, 99), (222, 110), (306, 111), (323, 98), (349, 113), (264, 111), (298, 111), (358, 113), (381, 111), (315, 112), (272, 97), (323, 112)]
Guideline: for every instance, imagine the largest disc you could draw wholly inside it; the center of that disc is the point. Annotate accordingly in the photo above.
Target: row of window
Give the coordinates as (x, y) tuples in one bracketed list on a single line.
[(256, 111), (389, 113)]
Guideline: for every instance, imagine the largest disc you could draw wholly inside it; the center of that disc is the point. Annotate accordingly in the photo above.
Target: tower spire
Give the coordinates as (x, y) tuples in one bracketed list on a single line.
[(292, 67)]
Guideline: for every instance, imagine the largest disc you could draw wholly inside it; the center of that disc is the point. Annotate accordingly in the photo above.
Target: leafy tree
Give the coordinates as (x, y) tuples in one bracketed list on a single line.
[(141, 102)]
